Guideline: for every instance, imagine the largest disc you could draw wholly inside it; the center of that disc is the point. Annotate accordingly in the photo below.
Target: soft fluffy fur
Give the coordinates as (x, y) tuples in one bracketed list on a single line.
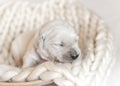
[(55, 41)]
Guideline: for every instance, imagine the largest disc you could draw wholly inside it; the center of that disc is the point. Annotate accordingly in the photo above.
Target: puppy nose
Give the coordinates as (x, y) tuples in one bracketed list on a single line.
[(74, 56)]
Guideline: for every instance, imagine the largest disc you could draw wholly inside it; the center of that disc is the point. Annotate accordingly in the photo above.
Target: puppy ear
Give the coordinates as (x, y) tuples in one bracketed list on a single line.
[(40, 39), (41, 44), (43, 39)]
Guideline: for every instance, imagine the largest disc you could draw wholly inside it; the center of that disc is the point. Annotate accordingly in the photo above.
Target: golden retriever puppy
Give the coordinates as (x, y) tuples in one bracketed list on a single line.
[(55, 41)]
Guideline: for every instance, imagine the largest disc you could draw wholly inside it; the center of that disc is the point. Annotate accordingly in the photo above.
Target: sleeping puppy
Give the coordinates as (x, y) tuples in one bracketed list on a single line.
[(55, 41)]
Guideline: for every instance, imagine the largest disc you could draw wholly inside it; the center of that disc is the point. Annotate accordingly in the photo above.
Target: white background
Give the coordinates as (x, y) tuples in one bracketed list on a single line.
[(109, 10)]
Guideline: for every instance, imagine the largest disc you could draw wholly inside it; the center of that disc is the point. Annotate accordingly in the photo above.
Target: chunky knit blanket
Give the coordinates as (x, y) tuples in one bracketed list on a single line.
[(95, 43)]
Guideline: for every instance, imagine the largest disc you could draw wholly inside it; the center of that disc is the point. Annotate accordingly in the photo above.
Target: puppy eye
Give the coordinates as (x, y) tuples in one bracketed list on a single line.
[(61, 44)]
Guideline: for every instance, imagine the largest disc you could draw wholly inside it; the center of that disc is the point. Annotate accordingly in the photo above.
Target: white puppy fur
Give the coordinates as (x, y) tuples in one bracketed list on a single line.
[(55, 41)]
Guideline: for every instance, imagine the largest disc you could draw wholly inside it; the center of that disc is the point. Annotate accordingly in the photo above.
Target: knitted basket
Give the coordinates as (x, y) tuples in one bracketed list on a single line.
[(95, 44)]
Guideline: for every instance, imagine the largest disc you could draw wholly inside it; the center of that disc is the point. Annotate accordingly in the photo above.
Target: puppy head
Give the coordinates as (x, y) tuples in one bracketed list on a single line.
[(57, 41)]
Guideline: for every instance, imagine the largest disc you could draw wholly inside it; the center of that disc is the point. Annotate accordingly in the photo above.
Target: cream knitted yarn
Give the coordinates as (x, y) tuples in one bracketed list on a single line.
[(95, 42)]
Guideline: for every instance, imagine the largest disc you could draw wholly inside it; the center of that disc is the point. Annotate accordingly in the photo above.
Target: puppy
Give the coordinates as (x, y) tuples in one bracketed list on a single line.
[(55, 41)]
